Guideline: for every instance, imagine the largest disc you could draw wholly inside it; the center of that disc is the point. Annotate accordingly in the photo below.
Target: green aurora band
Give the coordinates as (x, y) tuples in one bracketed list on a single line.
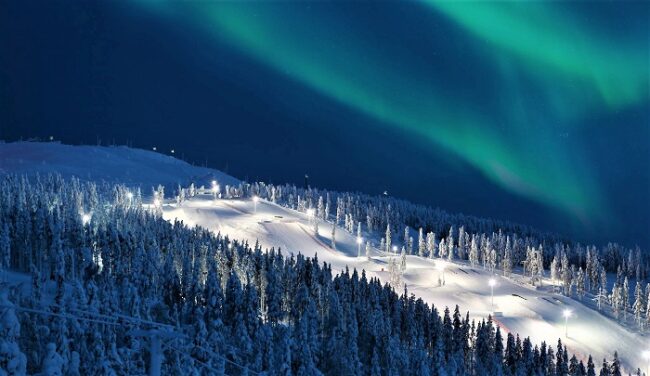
[(306, 49), (543, 38)]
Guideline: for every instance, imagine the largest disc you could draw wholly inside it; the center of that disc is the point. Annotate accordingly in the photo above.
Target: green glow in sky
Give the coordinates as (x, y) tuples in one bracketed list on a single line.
[(550, 44), (312, 51)]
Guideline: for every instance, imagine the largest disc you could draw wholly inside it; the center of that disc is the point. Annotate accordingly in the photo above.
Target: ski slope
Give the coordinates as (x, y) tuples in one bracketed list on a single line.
[(523, 309)]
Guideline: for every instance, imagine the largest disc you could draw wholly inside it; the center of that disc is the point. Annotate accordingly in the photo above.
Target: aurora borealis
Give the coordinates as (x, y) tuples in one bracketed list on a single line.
[(546, 102), (311, 50)]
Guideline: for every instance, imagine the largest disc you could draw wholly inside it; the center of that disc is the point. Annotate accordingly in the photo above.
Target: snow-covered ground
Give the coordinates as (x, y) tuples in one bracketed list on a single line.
[(114, 164), (523, 309), (527, 311)]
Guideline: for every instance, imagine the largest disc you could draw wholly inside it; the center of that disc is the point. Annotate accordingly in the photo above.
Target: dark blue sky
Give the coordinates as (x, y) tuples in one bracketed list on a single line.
[(257, 92)]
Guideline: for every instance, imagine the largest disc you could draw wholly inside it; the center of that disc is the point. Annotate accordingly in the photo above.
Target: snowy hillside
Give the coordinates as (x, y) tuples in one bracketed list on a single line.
[(119, 164), (522, 309)]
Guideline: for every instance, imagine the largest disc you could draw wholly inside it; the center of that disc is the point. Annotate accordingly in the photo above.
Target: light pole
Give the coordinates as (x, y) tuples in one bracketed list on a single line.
[(492, 282), (215, 189), (441, 269), (129, 195), (359, 241), (566, 314), (395, 250), (255, 200)]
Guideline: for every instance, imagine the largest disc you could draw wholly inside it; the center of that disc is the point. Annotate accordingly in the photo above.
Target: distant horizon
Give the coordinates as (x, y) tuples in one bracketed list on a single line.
[(559, 234)]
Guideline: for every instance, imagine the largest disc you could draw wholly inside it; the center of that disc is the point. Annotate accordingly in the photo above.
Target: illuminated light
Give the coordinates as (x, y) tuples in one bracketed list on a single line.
[(566, 313), (492, 282), (85, 218)]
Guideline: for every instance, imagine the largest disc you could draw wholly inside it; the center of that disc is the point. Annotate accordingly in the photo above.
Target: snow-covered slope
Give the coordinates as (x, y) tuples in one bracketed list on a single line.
[(526, 311), (119, 164), (523, 309)]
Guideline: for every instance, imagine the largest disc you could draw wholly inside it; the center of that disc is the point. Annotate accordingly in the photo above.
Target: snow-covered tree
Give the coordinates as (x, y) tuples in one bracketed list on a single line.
[(368, 250), (388, 239), (506, 263), (5, 249), (442, 248), (320, 208), (555, 270), (431, 244), (580, 283), (53, 362), (473, 252), (639, 304), (493, 259), (12, 360), (421, 243), (334, 237), (565, 271), (616, 299), (625, 299)]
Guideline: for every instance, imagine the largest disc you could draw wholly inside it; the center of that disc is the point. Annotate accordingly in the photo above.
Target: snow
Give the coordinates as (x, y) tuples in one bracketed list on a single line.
[(114, 164), (522, 309)]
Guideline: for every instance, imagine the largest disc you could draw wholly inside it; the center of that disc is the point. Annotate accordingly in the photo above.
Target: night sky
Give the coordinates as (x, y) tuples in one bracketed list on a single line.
[(535, 112)]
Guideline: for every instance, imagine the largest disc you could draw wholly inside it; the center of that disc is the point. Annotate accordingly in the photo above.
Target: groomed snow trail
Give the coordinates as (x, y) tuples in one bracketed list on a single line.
[(524, 310)]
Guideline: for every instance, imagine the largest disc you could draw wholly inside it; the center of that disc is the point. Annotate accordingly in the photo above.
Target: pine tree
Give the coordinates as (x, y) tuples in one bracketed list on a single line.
[(625, 299), (12, 360), (616, 300), (638, 304), (442, 249), (615, 368), (368, 250), (53, 362), (334, 237), (493, 259), (421, 243), (580, 283), (506, 263), (566, 274), (388, 239), (5, 248), (473, 252), (555, 270), (647, 311), (431, 244), (591, 368)]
